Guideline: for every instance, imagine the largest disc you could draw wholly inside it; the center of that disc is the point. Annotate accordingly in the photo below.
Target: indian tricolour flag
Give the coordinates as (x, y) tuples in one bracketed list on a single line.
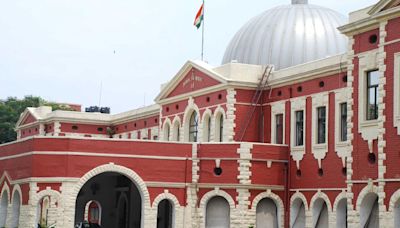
[(199, 17)]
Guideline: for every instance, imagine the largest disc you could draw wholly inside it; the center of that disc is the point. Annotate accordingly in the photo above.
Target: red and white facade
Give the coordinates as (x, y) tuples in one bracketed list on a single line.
[(323, 169)]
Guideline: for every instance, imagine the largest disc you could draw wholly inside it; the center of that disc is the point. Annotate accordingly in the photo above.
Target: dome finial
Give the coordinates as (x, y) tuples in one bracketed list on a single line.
[(299, 2)]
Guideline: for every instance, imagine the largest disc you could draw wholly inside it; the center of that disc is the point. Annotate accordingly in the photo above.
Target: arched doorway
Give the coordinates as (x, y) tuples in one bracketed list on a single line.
[(116, 195), (341, 214), (267, 214), (298, 214), (16, 204), (3, 209), (164, 214), (369, 211), (320, 214), (217, 213)]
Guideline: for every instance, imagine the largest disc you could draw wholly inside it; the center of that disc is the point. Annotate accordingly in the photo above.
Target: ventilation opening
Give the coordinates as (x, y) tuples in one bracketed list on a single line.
[(320, 172), (373, 39), (371, 158), (344, 79), (344, 171), (298, 173), (299, 89), (321, 84), (217, 171)]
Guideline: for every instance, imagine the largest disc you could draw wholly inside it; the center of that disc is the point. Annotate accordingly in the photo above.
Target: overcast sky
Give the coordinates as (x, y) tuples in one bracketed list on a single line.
[(63, 50)]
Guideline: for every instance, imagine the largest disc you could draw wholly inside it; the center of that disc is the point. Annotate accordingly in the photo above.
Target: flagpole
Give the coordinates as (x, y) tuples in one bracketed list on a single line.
[(202, 34)]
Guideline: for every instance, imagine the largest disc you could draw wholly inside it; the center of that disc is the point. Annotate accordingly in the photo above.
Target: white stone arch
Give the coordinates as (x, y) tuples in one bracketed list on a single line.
[(366, 192), (339, 214), (298, 196), (190, 108), (316, 199), (6, 188), (168, 196), (111, 167), (209, 195), (166, 129), (392, 207), (219, 111), (176, 129), (88, 203), (278, 202), (55, 196), (16, 206), (174, 202), (207, 126), (321, 195), (5, 191)]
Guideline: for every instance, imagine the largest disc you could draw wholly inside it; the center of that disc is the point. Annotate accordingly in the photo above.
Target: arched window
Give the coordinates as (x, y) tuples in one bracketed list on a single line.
[(164, 214), (176, 132), (298, 214), (3, 209), (219, 127), (193, 127), (267, 214), (341, 213), (207, 129), (94, 212), (167, 130), (217, 213), (16, 203), (320, 214), (369, 211)]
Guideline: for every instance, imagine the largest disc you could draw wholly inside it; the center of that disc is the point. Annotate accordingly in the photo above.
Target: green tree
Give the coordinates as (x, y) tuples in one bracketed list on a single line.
[(12, 107)]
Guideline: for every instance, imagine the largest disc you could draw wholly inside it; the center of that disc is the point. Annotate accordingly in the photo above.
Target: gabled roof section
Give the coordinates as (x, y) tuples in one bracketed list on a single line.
[(383, 5), (194, 75), (31, 115)]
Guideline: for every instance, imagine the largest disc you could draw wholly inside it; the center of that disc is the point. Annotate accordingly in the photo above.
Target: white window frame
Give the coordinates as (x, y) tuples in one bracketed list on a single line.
[(368, 128), (396, 91), (276, 109), (297, 152), (319, 149), (341, 147)]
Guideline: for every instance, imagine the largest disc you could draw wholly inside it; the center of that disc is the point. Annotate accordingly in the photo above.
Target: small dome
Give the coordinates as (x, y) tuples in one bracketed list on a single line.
[(288, 35)]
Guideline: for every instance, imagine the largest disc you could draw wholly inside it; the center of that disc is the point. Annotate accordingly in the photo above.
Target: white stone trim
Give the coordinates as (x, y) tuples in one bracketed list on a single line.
[(319, 150), (230, 114), (15, 214), (278, 202), (16, 189), (368, 128), (215, 123), (396, 90), (276, 109), (297, 152), (207, 128), (133, 176), (341, 147), (209, 195), (190, 108)]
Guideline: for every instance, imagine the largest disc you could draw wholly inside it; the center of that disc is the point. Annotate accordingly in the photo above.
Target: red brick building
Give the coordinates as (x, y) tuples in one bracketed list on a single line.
[(255, 142)]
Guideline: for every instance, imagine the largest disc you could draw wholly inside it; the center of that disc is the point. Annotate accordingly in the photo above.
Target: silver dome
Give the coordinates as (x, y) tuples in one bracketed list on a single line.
[(288, 35)]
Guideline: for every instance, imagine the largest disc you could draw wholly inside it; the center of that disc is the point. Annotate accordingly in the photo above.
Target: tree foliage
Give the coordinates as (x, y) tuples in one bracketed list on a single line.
[(11, 109)]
